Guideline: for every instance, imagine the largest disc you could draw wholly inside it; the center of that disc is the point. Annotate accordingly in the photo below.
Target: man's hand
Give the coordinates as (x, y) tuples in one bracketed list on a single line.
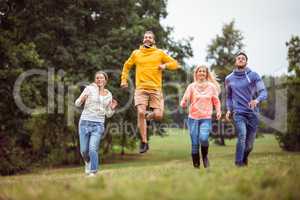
[(227, 116), (162, 66), (253, 103), (124, 85)]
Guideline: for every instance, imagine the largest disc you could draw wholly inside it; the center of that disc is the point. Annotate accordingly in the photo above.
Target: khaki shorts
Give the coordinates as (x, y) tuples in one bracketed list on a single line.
[(151, 98)]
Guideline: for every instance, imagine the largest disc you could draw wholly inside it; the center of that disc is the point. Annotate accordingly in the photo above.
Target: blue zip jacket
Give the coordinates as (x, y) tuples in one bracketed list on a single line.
[(241, 88)]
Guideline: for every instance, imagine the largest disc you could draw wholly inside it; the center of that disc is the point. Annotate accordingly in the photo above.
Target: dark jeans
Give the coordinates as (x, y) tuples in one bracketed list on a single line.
[(245, 127)]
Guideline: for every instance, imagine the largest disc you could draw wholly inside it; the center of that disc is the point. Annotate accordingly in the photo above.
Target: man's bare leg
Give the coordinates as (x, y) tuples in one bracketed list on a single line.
[(156, 114), (142, 122)]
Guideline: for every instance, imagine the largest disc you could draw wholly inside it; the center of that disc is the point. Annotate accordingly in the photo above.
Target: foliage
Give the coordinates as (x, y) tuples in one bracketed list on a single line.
[(290, 140), (221, 54), (222, 50), (271, 174), (69, 41)]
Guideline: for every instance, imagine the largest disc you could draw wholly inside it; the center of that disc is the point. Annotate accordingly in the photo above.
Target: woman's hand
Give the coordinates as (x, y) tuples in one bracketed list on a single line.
[(113, 104), (83, 99), (227, 117), (183, 103), (219, 115)]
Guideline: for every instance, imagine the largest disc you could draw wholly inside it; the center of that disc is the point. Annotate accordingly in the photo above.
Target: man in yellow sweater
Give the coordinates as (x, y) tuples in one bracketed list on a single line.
[(150, 63)]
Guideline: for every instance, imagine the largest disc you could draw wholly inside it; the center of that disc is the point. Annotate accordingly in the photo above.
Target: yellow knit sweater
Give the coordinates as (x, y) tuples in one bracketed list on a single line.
[(147, 61)]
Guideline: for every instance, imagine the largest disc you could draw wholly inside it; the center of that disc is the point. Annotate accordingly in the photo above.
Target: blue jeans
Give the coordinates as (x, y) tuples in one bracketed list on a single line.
[(245, 127), (199, 131), (89, 138)]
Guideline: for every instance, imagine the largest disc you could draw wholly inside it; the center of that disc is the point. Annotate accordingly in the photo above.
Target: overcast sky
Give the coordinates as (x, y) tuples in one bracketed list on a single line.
[(265, 24)]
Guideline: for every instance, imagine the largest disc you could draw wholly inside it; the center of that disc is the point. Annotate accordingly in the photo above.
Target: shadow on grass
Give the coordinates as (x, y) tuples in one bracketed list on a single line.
[(136, 159)]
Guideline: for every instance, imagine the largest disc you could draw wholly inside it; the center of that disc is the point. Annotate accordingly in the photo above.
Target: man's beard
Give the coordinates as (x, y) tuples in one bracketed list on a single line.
[(241, 66), (148, 45)]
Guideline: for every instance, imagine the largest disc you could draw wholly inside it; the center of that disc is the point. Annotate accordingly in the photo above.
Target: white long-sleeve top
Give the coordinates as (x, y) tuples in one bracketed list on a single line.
[(96, 106)]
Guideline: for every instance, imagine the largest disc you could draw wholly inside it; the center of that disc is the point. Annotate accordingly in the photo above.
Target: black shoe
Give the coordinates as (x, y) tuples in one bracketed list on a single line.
[(144, 147), (204, 152), (245, 159), (196, 160), (240, 164)]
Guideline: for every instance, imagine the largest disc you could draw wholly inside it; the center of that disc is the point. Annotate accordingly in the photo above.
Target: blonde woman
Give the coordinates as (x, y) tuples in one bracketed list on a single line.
[(201, 96), (98, 104)]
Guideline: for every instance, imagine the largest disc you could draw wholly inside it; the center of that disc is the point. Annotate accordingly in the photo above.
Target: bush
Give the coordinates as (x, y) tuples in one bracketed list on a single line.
[(13, 159), (290, 140)]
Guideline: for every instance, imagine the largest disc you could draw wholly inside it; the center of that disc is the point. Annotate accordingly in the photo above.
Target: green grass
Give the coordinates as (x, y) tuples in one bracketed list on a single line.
[(166, 172)]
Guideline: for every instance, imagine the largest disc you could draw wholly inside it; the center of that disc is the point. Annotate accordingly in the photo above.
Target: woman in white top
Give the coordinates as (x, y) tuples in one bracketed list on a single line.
[(98, 104)]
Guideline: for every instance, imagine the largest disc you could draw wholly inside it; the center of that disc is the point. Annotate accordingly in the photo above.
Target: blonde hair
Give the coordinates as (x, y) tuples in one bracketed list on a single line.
[(210, 76)]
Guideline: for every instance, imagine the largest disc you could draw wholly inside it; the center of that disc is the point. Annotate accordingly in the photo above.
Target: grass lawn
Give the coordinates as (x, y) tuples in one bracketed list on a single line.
[(166, 172)]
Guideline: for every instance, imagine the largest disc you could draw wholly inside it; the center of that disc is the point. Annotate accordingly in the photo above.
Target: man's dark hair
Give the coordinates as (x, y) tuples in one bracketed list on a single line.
[(150, 32), (242, 53)]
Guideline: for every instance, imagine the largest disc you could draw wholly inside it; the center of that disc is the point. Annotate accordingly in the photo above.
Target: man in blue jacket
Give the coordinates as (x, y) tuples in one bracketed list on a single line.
[(245, 90)]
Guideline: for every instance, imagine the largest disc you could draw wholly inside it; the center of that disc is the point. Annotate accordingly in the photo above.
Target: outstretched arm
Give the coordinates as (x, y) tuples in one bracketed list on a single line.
[(110, 109), (186, 97), (228, 96), (169, 62), (82, 98), (261, 90), (216, 101), (126, 68), (217, 104), (228, 99)]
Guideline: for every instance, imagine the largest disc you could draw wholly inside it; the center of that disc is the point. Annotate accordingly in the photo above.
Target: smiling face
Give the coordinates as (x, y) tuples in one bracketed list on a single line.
[(201, 74), (148, 40), (240, 61), (100, 80)]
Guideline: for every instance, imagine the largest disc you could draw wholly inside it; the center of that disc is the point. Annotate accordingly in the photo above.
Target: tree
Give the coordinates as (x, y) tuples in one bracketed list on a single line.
[(222, 50), (290, 140), (79, 37), (221, 54)]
